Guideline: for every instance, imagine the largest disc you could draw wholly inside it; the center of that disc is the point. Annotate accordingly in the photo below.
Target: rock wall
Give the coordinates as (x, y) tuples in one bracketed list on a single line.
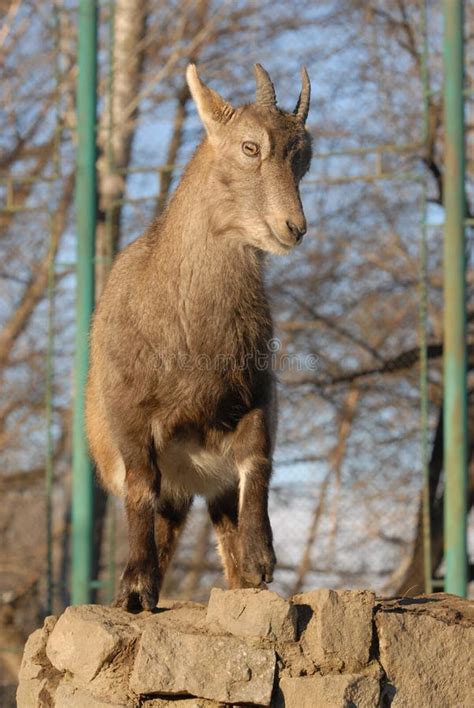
[(251, 647)]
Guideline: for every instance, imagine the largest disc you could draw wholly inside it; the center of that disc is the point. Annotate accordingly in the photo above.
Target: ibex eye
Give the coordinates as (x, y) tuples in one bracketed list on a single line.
[(250, 149)]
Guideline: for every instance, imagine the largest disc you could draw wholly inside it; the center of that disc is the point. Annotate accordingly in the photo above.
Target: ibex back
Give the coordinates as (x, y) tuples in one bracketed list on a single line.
[(181, 396)]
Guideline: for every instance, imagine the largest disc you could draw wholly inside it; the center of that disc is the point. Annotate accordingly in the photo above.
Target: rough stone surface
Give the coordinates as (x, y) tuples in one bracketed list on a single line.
[(253, 613), (330, 691), (187, 656), (69, 696), (86, 637), (426, 648), (181, 703), (293, 661), (338, 635), (112, 681), (221, 668), (34, 654), (33, 692), (37, 679)]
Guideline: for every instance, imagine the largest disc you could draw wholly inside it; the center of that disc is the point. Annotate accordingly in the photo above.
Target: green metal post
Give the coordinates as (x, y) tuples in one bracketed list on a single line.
[(423, 320), (455, 383), (82, 473)]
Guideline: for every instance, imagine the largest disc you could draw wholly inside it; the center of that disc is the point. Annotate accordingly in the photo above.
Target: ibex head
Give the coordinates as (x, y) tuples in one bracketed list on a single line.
[(259, 154)]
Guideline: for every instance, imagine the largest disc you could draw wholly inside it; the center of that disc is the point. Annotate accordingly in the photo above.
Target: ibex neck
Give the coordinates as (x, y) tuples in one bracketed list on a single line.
[(197, 225), (212, 279), (197, 209)]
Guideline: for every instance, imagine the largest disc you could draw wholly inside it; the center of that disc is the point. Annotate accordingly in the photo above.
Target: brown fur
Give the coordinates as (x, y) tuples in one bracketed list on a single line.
[(181, 397)]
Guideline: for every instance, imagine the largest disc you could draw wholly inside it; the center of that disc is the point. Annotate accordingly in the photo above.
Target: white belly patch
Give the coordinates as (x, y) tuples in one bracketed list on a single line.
[(188, 469)]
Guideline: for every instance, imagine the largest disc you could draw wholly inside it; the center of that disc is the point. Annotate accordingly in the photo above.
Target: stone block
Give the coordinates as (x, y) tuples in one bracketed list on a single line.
[(426, 648), (37, 679), (220, 668), (338, 636), (253, 613), (330, 691), (34, 657), (87, 637), (69, 696), (181, 703)]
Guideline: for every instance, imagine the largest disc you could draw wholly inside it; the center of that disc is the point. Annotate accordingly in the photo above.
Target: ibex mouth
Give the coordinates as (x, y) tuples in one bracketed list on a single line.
[(288, 245)]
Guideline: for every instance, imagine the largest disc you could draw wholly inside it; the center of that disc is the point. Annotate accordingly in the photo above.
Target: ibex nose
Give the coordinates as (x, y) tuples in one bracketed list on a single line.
[(297, 231)]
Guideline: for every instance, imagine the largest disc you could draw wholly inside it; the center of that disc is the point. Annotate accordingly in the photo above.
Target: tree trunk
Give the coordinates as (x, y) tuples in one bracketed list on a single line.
[(116, 131), (409, 578), (117, 128)]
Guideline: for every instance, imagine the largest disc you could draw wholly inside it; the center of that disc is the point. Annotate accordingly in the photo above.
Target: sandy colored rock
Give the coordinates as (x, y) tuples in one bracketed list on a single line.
[(112, 682), (34, 654), (185, 616), (33, 693), (88, 636), (338, 636), (221, 668), (37, 679), (331, 691), (293, 661), (426, 648), (253, 613), (178, 657), (181, 703), (69, 696)]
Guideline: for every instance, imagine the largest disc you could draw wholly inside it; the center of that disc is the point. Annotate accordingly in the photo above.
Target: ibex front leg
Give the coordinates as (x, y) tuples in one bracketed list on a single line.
[(253, 459)]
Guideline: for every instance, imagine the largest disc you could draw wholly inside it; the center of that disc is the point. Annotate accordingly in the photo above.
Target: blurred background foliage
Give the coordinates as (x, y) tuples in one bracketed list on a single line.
[(346, 496)]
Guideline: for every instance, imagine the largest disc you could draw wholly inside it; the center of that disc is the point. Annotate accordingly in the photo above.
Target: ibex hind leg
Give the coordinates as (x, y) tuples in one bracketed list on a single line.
[(170, 518)]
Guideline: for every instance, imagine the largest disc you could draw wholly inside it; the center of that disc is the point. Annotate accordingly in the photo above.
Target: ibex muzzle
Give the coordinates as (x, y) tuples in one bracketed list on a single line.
[(181, 394)]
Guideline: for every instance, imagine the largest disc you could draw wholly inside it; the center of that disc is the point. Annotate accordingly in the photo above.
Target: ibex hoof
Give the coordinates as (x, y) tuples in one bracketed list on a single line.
[(257, 567), (139, 590), (258, 579)]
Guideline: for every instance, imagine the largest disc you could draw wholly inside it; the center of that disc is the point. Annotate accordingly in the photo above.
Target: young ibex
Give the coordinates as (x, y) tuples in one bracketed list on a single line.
[(181, 396)]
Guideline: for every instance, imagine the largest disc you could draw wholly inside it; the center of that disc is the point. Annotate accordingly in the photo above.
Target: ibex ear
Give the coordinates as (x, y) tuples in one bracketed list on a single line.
[(213, 110)]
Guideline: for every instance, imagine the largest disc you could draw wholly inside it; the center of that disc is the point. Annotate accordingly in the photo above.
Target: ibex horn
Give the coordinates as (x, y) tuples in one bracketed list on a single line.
[(302, 107), (265, 89)]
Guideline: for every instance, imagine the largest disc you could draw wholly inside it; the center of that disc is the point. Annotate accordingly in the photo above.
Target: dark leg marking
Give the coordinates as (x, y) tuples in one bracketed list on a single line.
[(224, 515), (170, 519)]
